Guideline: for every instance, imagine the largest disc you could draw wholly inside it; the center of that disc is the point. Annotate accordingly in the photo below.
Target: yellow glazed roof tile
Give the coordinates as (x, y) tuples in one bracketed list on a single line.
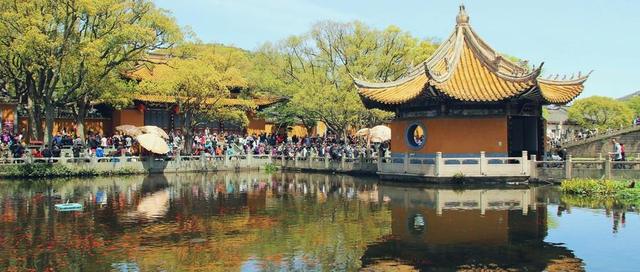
[(560, 92), (395, 94), (466, 68)]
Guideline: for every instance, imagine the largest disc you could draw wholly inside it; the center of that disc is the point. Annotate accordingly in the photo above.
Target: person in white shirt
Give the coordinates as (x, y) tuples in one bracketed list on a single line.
[(616, 155), (103, 142)]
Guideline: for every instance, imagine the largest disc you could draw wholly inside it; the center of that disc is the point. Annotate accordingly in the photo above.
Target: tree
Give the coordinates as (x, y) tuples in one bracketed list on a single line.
[(199, 79), (61, 53), (315, 70), (599, 112), (634, 104)]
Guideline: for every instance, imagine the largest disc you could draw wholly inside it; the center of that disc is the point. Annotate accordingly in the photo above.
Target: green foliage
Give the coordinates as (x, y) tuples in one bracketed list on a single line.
[(545, 113), (600, 193), (200, 78), (593, 187), (458, 177), (59, 53), (634, 105), (270, 168), (314, 71), (599, 112), (44, 170)]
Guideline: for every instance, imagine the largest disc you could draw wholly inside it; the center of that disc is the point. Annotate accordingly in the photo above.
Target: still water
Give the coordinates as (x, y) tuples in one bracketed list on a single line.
[(259, 221)]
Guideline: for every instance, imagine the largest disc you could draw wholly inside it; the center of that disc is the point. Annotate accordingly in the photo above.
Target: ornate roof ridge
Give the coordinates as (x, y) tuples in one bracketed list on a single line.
[(571, 81), (464, 35), (464, 67)]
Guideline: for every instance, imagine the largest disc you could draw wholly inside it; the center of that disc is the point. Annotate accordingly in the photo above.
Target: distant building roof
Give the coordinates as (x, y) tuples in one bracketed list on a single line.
[(557, 115)]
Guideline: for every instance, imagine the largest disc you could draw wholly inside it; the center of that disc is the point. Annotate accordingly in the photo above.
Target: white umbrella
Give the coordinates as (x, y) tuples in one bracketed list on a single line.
[(155, 130), (380, 134), (153, 143)]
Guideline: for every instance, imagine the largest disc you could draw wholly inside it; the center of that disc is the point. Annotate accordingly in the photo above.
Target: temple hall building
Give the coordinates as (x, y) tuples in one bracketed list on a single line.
[(467, 101)]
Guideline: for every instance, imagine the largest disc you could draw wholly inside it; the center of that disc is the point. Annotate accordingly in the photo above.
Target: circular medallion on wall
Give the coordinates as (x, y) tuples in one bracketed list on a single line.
[(416, 135)]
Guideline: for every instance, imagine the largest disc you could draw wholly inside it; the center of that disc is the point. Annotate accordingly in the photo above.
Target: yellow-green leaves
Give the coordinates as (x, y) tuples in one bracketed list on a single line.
[(597, 112), (314, 71), (199, 79)]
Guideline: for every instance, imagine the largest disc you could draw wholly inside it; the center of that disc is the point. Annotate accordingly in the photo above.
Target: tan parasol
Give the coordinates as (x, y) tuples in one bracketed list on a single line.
[(154, 205), (130, 130), (363, 132), (155, 130), (153, 143), (379, 134)]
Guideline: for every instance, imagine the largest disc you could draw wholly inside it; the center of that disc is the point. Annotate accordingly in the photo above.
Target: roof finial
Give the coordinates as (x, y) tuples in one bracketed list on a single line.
[(462, 17)]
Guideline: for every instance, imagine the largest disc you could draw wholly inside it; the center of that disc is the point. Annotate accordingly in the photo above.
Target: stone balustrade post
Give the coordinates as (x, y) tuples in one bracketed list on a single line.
[(533, 166), (524, 162), (568, 165), (326, 161), (405, 161), (438, 164), (342, 162), (283, 161), (607, 168), (483, 162)]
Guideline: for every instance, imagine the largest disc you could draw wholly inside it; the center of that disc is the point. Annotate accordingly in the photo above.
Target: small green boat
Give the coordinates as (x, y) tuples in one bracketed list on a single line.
[(68, 207)]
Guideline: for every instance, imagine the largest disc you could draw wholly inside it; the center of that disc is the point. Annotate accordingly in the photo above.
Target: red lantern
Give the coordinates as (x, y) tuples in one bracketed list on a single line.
[(176, 109), (140, 107)]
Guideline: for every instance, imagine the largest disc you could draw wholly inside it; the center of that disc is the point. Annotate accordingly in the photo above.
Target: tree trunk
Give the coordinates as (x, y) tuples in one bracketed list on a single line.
[(34, 118), (81, 117), (49, 115), (187, 131), (344, 133), (32, 122)]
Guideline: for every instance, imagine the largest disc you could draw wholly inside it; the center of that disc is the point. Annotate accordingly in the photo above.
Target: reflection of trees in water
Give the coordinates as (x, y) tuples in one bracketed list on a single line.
[(210, 218)]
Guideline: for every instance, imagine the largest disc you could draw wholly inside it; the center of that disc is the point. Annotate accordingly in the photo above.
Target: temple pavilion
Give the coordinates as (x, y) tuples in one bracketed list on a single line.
[(467, 99)]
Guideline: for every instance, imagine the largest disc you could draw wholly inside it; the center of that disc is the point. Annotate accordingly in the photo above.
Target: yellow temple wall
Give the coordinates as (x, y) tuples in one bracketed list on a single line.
[(128, 117), (453, 135), (100, 126)]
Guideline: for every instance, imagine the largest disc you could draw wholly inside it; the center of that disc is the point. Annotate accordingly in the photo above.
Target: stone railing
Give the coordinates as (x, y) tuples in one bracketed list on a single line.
[(596, 168), (479, 166), (151, 164), (326, 164)]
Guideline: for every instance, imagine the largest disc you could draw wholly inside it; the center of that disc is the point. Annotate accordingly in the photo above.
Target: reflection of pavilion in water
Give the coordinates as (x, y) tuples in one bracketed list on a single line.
[(446, 229)]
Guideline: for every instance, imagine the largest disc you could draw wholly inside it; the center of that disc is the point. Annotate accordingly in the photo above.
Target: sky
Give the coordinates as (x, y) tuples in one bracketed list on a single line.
[(567, 35)]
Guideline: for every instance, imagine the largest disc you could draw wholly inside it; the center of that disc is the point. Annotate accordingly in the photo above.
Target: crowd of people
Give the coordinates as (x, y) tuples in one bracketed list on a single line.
[(331, 146), (203, 142)]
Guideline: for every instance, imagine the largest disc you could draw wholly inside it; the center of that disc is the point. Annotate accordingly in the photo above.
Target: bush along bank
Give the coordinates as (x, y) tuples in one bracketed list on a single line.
[(620, 191), (56, 170)]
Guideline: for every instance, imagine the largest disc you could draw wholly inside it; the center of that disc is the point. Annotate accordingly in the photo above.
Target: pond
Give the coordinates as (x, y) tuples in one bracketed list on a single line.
[(296, 221)]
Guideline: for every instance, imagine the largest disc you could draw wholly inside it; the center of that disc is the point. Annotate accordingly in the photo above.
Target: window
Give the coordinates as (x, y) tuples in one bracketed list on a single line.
[(416, 135), (417, 224)]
